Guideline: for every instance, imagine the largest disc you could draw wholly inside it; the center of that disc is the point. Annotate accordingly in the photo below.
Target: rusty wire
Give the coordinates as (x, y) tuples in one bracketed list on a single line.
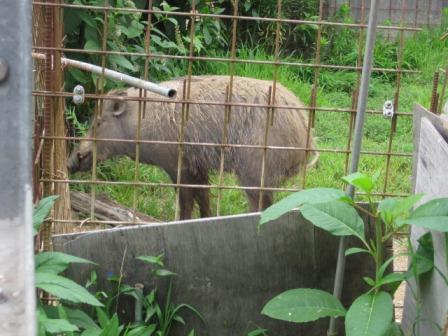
[(46, 138)]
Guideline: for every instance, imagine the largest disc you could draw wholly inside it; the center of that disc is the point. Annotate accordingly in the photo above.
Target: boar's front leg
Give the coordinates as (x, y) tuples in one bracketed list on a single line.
[(187, 196)]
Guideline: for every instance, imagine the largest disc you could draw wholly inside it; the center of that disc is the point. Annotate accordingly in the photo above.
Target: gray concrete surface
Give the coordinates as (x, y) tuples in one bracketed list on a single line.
[(224, 267)]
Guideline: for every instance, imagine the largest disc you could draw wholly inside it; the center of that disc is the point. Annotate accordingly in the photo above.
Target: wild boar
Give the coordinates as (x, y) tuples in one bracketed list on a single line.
[(162, 121)]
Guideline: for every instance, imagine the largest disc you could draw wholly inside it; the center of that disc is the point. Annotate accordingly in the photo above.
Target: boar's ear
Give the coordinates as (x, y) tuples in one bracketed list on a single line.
[(119, 106)]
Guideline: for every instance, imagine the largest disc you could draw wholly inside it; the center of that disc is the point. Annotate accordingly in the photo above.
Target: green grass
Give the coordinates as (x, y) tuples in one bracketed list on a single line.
[(422, 52)]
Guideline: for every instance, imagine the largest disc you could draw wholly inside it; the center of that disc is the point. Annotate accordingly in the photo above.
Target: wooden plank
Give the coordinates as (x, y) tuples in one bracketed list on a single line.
[(224, 266), (430, 178), (105, 209)]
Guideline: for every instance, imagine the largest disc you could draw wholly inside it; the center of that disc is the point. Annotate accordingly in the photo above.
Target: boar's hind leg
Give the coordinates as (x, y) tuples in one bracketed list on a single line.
[(254, 197)]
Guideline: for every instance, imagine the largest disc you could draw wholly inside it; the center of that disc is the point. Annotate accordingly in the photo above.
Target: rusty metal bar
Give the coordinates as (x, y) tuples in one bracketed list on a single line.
[(358, 83), (228, 108), (442, 94), (394, 121), (435, 97), (98, 110), (220, 16), (312, 112), (141, 112), (224, 60), (228, 145), (213, 103), (194, 186)]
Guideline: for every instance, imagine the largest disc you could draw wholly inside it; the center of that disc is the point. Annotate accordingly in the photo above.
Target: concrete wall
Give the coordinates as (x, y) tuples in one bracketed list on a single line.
[(225, 268), (417, 12)]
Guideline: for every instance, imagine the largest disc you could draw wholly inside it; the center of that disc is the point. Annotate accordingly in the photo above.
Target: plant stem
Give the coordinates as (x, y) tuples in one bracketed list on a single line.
[(379, 243)]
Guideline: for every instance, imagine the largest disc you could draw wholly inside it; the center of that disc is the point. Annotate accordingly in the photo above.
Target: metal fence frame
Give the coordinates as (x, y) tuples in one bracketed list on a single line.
[(54, 51)]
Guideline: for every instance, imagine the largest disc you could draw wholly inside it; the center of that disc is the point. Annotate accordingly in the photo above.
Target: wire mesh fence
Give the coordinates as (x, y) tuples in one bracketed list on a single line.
[(161, 40)]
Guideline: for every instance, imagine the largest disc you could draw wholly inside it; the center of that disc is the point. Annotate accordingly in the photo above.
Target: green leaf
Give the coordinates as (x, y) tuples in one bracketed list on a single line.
[(103, 319), (142, 331), (154, 260), (64, 289), (370, 315), (121, 61), (207, 36), (57, 326), (432, 215), (303, 305), (112, 328), (81, 319), (423, 259), (309, 196), (163, 273), (54, 326), (369, 281), (392, 209), (394, 330), (355, 250), (258, 332), (56, 262), (41, 212), (360, 181), (338, 218), (92, 45), (393, 277)]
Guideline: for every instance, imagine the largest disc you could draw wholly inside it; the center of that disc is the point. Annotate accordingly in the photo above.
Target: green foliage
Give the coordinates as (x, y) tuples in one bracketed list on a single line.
[(69, 318), (371, 313), (303, 305), (41, 212)]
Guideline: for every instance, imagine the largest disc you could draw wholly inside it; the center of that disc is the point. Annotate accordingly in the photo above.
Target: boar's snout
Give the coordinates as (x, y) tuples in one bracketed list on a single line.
[(79, 161)]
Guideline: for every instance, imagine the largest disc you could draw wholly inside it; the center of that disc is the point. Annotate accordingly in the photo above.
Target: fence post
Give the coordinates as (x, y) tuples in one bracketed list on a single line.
[(357, 141), (17, 302)]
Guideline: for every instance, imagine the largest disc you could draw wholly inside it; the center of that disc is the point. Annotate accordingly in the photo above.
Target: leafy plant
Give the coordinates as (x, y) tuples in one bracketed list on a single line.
[(97, 315), (330, 209)]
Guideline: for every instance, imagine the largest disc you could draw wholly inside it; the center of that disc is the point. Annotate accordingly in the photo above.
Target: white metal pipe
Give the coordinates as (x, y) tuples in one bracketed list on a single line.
[(357, 141), (115, 75)]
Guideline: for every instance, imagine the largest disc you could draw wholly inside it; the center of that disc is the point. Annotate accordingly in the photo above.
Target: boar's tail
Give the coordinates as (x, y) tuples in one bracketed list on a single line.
[(314, 160)]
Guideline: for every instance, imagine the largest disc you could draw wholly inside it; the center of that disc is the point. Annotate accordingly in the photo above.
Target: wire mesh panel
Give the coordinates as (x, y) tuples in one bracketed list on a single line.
[(264, 89)]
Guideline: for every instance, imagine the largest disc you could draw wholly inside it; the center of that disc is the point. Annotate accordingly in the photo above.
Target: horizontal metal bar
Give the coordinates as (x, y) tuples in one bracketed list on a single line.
[(227, 145), (224, 60), (115, 75), (213, 103), (193, 186), (221, 16)]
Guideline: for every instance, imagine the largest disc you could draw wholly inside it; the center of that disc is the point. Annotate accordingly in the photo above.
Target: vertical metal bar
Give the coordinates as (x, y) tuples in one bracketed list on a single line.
[(311, 114), (358, 83), (141, 112), (228, 108), (17, 301), (434, 96), (47, 153), (185, 108), (394, 121), (357, 141), (270, 111), (442, 94), (98, 110)]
